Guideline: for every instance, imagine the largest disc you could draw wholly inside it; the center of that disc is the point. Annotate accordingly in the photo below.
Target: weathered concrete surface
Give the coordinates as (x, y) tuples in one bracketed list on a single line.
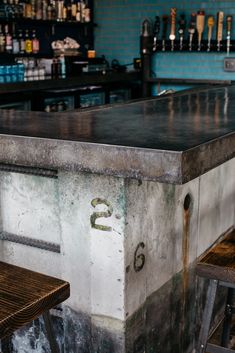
[(128, 248), (170, 140)]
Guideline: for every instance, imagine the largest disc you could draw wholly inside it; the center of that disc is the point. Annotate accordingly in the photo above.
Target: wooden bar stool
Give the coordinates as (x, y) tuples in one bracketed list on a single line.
[(218, 265), (24, 296)]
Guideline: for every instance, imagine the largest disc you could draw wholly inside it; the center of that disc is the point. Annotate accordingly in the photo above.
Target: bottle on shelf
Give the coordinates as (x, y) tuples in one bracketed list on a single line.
[(2, 40), (8, 40), (73, 10), (15, 43), (83, 6), (87, 12), (33, 9), (69, 10), (28, 43), (44, 9), (35, 43), (21, 42), (38, 10), (49, 11), (63, 66), (78, 14), (27, 9), (60, 9), (53, 10), (64, 12), (56, 69)]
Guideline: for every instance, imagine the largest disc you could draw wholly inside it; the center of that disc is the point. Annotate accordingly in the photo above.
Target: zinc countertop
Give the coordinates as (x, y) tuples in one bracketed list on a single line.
[(172, 139)]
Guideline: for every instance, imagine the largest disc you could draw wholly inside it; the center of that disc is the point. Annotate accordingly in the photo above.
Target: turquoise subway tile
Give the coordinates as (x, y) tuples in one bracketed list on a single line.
[(119, 28)]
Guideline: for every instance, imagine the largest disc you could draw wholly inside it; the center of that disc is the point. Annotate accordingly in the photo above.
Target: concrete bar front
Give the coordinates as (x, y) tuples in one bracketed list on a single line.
[(119, 201)]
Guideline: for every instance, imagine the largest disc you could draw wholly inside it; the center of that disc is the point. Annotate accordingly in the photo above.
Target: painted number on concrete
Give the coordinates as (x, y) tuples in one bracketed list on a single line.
[(105, 214), (139, 258)]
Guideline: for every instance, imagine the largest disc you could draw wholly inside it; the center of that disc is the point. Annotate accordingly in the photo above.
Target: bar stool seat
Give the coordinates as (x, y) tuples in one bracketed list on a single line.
[(25, 295), (218, 265)]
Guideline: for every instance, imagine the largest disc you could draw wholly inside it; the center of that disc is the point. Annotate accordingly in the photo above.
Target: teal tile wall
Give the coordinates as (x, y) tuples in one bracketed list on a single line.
[(119, 26)]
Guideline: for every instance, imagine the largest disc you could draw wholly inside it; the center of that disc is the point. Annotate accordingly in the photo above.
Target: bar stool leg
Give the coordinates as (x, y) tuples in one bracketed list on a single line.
[(50, 333), (228, 313), (207, 315), (6, 345)]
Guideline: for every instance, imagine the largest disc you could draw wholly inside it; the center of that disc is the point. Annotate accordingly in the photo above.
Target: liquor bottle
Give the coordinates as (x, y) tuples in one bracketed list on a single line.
[(33, 9), (63, 66), (28, 43), (73, 10), (2, 41), (64, 12), (87, 13), (15, 43), (35, 43), (44, 9), (60, 8), (21, 42), (28, 9), (49, 11), (69, 10), (38, 10), (78, 14), (83, 6), (8, 40), (53, 10)]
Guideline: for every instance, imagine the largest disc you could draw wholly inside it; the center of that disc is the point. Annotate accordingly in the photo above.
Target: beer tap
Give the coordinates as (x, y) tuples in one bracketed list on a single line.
[(146, 47), (192, 29), (164, 31), (172, 33), (182, 27), (220, 22), (210, 25), (156, 30), (228, 30), (200, 23)]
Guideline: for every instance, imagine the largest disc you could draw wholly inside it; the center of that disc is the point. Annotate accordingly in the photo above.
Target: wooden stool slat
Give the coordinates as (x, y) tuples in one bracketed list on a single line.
[(219, 261), (25, 295)]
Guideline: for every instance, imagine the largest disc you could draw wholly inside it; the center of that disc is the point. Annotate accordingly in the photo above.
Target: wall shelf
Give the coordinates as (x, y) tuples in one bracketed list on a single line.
[(30, 22)]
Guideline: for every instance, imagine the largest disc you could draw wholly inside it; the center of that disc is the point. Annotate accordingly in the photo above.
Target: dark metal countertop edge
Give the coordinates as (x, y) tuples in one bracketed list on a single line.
[(120, 161), (201, 159)]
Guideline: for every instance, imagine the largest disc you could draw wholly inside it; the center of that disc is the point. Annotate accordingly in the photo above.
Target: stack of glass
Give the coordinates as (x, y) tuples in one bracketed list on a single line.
[(12, 73)]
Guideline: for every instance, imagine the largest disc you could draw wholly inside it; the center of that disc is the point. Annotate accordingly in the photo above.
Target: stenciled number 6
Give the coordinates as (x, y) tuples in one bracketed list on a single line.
[(139, 258)]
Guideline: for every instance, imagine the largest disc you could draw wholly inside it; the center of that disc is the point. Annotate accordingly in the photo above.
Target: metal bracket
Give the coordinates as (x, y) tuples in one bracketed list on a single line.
[(36, 243), (48, 173)]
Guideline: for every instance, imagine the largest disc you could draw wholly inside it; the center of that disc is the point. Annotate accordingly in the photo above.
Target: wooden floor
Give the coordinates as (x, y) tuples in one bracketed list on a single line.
[(24, 295), (219, 261)]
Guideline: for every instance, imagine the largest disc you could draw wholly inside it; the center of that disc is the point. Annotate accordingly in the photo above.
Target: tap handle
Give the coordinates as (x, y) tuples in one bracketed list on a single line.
[(173, 23), (220, 22), (229, 20)]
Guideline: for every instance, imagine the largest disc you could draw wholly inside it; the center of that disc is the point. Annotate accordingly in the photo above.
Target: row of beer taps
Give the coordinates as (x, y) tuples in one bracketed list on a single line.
[(198, 24)]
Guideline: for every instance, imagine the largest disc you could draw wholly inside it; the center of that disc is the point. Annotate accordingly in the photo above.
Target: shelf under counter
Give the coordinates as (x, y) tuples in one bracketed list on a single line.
[(82, 80)]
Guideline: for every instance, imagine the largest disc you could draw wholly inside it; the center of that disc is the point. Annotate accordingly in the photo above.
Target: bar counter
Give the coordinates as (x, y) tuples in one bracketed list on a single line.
[(171, 139), (120, 201)]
